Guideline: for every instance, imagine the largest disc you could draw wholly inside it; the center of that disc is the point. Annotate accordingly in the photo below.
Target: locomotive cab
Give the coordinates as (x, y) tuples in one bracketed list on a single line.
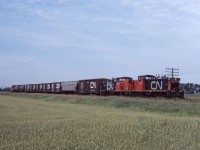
[(140, 84), (146, 77), (175, 83), (174, 90)]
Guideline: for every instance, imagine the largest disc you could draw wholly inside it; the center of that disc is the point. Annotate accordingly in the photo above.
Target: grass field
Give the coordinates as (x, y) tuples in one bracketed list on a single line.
[(42, 121)]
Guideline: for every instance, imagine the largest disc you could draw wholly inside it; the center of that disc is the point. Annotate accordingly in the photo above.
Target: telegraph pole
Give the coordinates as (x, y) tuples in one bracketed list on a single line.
[(173, 72)]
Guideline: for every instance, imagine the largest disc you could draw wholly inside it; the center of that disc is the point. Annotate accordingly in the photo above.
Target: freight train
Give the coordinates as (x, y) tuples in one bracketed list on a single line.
[(144, 86)]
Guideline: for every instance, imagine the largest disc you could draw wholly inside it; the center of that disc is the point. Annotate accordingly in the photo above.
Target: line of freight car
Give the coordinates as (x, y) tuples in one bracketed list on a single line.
[(147, 85), (90, 86), (151, 93), (56, 87)]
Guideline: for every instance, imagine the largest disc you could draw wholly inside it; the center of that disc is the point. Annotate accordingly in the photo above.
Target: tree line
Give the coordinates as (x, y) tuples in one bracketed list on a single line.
[(190, 88), (5, 89)]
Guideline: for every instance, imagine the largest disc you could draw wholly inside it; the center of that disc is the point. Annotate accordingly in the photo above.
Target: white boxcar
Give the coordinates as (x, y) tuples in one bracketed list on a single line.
[(69, 86)]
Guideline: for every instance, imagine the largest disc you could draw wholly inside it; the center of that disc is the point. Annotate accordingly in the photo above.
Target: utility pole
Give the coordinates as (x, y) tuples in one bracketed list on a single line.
[(173, 72)]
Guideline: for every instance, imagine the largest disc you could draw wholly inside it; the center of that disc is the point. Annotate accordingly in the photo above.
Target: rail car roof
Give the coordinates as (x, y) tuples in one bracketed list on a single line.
[(123, 78), (147, 76)]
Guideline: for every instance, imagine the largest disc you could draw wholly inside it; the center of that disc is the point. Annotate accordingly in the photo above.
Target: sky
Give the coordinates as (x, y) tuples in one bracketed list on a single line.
[(64, 40)]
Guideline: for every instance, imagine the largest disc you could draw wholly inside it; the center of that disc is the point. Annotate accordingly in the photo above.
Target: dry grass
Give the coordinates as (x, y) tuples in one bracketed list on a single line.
[(27, 123)]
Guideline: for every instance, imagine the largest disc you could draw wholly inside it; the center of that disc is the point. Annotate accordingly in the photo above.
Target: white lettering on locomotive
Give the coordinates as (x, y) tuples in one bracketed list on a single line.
[(93, 85), (155, 85)]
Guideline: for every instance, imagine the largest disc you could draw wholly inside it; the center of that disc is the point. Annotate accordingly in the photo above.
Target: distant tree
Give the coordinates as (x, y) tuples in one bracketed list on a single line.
[(190, 88), (6, 89)]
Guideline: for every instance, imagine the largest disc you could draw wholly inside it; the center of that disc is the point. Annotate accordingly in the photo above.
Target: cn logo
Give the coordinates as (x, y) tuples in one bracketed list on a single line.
[(93, 85), (155, 85)]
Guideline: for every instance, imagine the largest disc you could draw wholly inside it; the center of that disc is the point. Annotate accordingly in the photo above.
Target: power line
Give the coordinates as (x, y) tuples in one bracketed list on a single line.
[(192, 72), (190, 66), (173, 72)]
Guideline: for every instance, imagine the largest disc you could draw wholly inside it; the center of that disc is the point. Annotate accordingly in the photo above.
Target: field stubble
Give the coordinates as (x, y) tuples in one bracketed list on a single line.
[(40, 121)]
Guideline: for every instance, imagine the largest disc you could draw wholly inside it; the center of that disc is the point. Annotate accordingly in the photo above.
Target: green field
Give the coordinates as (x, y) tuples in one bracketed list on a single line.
[(42, 121)]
